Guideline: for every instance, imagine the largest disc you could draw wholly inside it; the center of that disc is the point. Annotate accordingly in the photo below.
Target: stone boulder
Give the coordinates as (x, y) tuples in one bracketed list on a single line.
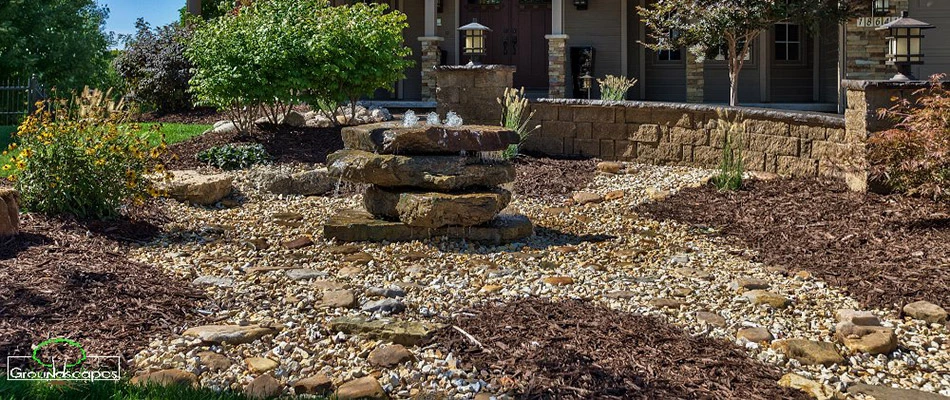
[(394, 138), (166, 377), (389, 356), (230, 334), (365, 388), (224, 127), (263, 387), (306, 183), (814, 389), (320, 385), (435, 210), (294, 119), (440, 173), (359, 226), (889, 393), (808, 352), (926, 311), (9, 212), (407, 333), (873, 340), (192, 187)]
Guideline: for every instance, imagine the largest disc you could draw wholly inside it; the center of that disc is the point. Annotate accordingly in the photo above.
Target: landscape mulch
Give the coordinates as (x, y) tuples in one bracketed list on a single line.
[(66, 278), (547, 178), (886, 251), (203, 116), (577, 350)]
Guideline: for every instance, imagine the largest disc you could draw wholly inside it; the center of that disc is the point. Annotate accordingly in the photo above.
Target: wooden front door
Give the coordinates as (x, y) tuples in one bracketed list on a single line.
[(517, 36)]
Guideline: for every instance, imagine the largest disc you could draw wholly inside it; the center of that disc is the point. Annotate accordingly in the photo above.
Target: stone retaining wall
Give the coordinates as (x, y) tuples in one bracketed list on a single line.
[(783, 142)]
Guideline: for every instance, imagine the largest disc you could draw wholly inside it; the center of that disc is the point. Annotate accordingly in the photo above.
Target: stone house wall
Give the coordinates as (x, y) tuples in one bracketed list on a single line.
[(783, 142)]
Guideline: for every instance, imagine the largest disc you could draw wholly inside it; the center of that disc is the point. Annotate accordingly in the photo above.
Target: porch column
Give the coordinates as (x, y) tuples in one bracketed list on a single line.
[(557, 52), (695, 81), (430, 52)]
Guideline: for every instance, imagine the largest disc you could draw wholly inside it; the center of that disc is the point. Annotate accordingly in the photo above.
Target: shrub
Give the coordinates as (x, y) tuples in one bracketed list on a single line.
[(614, 88), (154, 68), (513, 109), (914, 157), (272, 54), (78, 159), (729, 176), (234, 156)]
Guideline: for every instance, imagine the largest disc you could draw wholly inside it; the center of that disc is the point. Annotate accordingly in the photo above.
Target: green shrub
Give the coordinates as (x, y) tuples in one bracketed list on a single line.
[(154, 68), (614, 88), (274, 53), (513, 109), (79, 159), (731, 168), (234, 156), (914, 157)]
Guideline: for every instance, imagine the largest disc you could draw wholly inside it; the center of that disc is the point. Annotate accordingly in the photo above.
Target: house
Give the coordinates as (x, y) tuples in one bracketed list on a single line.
[(553, 42)]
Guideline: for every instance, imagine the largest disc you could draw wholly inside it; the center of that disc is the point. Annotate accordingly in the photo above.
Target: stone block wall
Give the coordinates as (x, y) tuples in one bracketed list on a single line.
[(783, 142), (472, 91)]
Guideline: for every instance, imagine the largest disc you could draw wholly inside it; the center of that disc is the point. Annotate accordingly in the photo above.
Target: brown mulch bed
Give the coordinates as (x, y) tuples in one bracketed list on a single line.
[(550, 177), (285, 144), (204, 116), (886, 251), (64, 278), (576, 350)]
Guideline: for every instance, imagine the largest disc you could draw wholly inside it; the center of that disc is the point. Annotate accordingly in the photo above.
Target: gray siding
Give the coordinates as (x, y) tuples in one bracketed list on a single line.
[(716, 75), (600, 27), (936, 48), (415, 12), (791, 82), (828, 63)]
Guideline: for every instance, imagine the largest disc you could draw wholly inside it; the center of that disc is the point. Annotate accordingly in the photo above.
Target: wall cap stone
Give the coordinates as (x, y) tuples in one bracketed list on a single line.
[(853, 84), (560, 36), (806, 117), (470, 67), (431, 38)]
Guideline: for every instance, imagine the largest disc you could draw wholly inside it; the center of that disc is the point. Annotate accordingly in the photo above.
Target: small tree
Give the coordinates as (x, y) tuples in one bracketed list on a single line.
[(704, 25), (154, 68)]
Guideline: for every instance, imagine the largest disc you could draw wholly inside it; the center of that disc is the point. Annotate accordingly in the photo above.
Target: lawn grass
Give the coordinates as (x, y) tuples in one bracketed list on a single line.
[(106, 390), (174, 133)]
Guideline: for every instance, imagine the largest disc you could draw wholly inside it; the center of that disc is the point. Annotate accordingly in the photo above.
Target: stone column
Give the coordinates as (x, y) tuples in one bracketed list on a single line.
[(695, 80), (866, 48), (430, 59), (557, 66)]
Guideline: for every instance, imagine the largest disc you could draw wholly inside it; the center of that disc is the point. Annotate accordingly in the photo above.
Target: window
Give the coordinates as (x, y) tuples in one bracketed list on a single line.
[(669, 55), (788, 42)]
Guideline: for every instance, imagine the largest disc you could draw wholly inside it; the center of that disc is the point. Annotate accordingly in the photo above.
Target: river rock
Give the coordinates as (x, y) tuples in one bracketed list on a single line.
[(926, 311), (338, 299), (808, 352), (365, 388), (305, 183), (711, 318), (260, 364), (394, 138), (440, 173), (214, 361), (230, 334), (385, 305), (873, 340), (861, 318), (889, 393), (263, 387), (192, 187), (359, 226), (166, 377), (389, 356), (320, 385), (435, 210), (406, 333), (9, 212), (773, 300), (609, 167), (755, 335), (581, 198), (814, 389)]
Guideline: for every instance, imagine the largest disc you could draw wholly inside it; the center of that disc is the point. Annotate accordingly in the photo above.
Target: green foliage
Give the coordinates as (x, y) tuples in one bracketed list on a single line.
[(614, 88), (61, 41), (274, 53), (515, 116), (106, 390), (234, 156), (154, 68), (77, 158), (705, 26), (731, 167), (914, 157)]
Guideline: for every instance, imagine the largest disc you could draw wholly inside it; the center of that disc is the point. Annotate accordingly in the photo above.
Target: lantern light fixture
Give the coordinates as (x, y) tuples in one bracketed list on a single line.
[(904, 45), (474, 34), (587, 83)]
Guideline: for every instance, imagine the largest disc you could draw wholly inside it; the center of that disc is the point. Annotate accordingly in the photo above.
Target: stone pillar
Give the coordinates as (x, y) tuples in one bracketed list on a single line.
[(471, 91), (9, 212), (695, 79), (866, 48), (430, 59), (557, 66)]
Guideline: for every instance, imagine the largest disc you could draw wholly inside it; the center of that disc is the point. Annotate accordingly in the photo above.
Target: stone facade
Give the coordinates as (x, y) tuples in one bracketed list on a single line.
[(695, 79), (472, 91), (430, 59), (557, 66), (782, 142), (866, 48)]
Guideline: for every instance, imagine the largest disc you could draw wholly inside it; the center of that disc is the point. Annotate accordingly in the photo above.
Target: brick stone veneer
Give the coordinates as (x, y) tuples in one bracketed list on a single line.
[(783, 142), (472, 91), (695, 79), (557, 66), (430, 59)]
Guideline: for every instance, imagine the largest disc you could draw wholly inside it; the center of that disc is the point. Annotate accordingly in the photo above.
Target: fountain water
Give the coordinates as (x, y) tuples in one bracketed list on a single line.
[(433, 119), (410, 119), (452, 119)]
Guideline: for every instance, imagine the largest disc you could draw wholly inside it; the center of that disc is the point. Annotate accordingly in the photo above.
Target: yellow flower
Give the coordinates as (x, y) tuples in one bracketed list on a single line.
[(6, 167)]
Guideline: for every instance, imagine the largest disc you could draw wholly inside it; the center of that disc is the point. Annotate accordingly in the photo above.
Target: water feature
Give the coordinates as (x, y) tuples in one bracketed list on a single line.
[(452, 119), (433, 119), (410, 119)]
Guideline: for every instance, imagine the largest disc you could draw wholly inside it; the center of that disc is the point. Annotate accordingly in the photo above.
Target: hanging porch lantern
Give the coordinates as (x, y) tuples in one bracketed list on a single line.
[(474, 34), (903, 45)]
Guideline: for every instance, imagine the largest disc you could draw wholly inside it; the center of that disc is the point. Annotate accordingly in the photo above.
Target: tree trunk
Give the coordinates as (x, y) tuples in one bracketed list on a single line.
[(735, 65)]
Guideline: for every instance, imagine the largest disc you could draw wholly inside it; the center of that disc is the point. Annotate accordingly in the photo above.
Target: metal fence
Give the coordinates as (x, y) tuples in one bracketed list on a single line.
[(18, 97)]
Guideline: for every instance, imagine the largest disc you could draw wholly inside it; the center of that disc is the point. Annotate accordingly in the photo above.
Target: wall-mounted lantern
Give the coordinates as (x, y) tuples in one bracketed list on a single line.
[(881, 7), (474, 40), (903, 45), (581, 4), (587, 83)]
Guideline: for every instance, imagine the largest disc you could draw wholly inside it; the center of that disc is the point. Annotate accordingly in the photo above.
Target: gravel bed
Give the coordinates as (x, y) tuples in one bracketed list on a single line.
[(612, 256)]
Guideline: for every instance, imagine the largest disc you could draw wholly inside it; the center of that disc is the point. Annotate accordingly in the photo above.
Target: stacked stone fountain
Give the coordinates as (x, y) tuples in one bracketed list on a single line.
[(427, 180)]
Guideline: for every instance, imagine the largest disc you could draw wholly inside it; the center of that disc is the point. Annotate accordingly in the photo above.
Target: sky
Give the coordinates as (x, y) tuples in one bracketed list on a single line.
[(123, 13)]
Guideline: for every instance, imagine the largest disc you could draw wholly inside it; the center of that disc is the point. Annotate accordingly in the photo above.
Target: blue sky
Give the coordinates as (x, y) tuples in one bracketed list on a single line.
[(123, 13)]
